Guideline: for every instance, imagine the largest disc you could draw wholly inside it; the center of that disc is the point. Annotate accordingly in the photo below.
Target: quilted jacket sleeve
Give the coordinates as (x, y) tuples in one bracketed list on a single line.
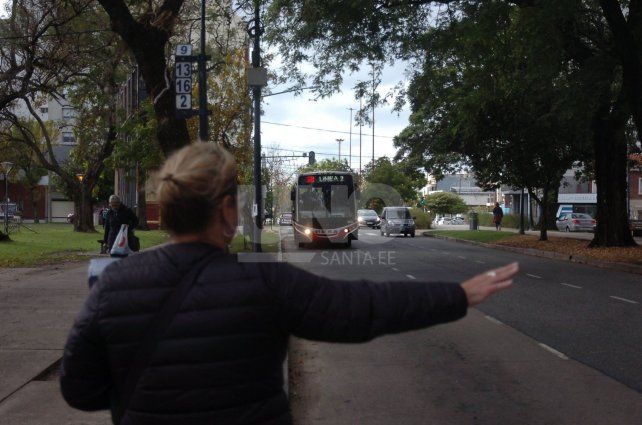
[(84, 375), (318, 308)]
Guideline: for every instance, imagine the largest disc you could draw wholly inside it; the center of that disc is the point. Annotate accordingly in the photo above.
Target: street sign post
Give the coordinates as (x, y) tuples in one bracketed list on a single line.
[(183, 70)]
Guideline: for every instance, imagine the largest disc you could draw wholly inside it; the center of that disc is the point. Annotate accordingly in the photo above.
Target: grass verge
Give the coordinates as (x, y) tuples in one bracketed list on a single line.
[(269, 242), (54, 243)]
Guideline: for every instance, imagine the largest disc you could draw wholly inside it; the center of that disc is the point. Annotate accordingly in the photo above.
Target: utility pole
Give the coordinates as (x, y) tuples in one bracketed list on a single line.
[(257, 78), (203, 113), (339, 141), (373, 115), (360, 125), (350, 150)]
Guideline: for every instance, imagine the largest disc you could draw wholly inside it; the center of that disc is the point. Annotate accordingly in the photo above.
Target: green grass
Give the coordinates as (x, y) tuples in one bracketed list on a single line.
[(55, 243), (487, 236), (269, 243)]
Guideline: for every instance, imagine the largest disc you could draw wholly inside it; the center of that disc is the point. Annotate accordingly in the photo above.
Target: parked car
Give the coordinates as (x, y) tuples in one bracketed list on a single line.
[(575, 222), (457, 220), (368, 218), (397, 220), (444, 220), (285, 219)]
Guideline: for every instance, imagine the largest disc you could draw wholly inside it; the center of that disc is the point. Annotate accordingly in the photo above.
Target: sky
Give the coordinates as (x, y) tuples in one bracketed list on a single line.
[(332, 114), (327, 114)]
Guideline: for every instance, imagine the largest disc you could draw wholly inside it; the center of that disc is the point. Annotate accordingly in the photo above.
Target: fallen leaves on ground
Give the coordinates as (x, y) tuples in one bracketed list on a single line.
[(577, 247)]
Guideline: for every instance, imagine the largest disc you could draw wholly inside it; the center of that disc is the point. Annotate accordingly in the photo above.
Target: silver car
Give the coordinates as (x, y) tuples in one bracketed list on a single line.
[(575, 222)]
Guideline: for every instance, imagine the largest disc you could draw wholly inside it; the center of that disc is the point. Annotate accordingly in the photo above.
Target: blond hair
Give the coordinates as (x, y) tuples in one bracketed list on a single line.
[(193, 182)]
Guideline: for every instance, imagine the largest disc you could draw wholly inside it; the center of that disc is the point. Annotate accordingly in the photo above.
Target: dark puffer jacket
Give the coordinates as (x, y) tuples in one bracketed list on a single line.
[(221, 359)]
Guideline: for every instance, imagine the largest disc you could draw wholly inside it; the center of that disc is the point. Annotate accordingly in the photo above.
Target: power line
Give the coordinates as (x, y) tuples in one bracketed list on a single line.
[(320, 129)]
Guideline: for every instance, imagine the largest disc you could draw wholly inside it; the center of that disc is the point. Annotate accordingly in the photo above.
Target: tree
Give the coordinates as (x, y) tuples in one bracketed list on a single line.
[(446, 203), (29, 61), (94, 95), (336, 38), (327, 164), (386, 181), (497, 97), (147, 36)]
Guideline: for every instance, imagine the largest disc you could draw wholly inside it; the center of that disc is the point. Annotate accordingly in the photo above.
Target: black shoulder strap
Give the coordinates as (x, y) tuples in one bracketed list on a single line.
[(156, 330)]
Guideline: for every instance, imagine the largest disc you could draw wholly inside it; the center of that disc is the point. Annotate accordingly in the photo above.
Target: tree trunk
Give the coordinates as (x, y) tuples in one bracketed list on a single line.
[(141, 180), (84, 214), (3, 237), (148, 41), (32, 199), (609, 145)]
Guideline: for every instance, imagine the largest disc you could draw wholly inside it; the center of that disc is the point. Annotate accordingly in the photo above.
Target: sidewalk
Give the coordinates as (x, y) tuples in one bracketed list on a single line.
[(475, 371), (37, 309)]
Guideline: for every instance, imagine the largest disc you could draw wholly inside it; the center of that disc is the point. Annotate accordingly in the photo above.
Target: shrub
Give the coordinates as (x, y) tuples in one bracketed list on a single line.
[(509, 220), (423, 220)]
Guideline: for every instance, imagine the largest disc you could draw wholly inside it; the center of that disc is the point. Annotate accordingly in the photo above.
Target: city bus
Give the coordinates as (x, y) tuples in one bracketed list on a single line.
[(324, 208)]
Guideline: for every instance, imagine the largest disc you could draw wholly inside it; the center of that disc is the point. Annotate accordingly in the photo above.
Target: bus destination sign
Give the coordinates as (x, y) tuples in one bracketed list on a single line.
[(323, 178)]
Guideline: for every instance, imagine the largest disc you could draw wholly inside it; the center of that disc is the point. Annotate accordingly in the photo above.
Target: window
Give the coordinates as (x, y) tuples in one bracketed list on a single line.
[(68, 138), (44, 110), (68, 113)]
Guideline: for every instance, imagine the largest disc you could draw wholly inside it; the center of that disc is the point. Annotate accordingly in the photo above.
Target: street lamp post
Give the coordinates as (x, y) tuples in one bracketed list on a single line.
[(6, 167), (81, 177), (339, 141), (350, 149)]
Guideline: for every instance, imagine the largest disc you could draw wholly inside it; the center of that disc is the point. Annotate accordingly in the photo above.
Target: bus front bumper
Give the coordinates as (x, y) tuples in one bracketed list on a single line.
[(339, 235)]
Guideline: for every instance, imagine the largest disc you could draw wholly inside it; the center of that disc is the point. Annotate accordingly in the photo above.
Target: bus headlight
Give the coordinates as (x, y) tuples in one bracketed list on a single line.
[(307, 232), (345, 230)]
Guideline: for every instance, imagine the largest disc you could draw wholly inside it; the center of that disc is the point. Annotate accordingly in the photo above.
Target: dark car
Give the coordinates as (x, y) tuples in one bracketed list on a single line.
[(285, 219), (397, 220), (369, 218)]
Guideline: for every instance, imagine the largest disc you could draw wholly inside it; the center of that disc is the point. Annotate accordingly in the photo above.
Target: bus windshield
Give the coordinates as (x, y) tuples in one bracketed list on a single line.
[(325, 196)]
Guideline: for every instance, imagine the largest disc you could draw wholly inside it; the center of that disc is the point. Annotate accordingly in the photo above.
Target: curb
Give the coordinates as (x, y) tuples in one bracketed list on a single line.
[(621, 267)]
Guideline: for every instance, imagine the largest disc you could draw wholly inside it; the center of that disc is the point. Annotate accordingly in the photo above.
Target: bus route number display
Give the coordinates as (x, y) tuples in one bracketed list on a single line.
[(323, 178), (183, 80)]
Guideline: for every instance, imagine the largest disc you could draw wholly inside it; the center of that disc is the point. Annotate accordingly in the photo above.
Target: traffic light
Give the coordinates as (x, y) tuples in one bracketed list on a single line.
[(311, 158)]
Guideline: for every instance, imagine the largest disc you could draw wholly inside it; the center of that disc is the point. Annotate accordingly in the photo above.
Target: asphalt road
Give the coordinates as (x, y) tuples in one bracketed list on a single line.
[(591, 315)]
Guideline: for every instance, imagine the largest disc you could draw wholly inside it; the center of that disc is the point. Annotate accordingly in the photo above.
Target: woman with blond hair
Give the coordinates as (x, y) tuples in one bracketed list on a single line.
[(186, 334)]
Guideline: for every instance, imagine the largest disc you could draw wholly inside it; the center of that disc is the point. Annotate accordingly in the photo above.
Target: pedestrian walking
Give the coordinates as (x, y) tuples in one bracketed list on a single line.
[(187, 333), (118, 215), (498, 215)]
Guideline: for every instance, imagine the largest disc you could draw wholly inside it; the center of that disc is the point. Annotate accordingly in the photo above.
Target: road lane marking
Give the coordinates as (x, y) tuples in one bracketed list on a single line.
[(571, 286), (554, 351), (480, 262), (492, 319), (395, 269), (371, 234), (409, 276), (463, 258), (534, 276), (623, 299)]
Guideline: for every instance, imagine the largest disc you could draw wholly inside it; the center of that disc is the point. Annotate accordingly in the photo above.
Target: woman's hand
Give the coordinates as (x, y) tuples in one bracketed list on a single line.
[(481, 286)]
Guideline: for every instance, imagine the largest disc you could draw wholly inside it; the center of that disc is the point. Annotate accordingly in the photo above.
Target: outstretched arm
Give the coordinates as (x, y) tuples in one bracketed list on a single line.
[(323, 309)]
